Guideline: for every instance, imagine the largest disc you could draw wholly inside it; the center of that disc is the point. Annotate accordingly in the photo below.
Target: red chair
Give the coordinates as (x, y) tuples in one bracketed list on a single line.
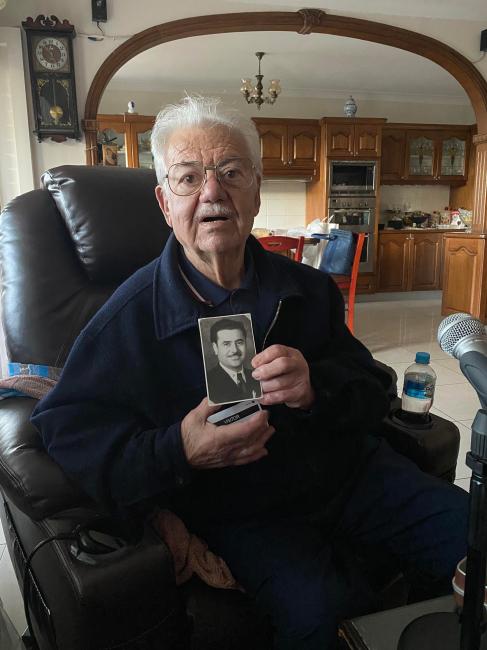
[(282, 244), (348, 283)]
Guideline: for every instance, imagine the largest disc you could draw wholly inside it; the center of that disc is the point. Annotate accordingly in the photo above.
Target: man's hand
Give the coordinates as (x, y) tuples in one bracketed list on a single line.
[(207, 446), (284, 374)]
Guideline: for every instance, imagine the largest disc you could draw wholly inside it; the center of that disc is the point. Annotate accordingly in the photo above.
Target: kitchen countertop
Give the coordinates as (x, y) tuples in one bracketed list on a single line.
[(400, 230)]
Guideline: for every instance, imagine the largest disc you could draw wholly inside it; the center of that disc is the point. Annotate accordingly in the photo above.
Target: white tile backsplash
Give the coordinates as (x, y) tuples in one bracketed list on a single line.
[(426, 198), (283, 205)]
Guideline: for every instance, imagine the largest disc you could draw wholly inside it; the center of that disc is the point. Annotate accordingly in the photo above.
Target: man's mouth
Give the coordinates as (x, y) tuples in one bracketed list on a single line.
[(211, 219)]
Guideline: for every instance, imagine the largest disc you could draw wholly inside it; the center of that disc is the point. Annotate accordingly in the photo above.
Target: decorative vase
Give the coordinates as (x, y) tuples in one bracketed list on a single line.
[(350, 107), (131, 107)]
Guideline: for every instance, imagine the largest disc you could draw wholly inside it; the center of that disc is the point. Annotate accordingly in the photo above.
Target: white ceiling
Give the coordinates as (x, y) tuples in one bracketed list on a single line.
[(316, 65)]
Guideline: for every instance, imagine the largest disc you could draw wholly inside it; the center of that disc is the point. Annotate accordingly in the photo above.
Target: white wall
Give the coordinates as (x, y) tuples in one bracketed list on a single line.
[(149, 103), (15, 160)]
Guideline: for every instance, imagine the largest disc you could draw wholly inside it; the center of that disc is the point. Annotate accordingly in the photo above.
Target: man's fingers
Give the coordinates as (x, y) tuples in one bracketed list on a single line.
[(271, 353), (276, 368)]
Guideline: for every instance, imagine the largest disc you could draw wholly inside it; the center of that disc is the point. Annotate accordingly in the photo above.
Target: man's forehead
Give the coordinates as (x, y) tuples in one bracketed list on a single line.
[(216, 142)]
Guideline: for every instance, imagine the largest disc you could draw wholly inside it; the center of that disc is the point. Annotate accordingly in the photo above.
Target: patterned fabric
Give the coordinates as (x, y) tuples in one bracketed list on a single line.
[(25, 385)]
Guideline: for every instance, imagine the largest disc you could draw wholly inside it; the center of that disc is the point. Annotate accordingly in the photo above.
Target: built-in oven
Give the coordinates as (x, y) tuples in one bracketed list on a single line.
[(352, 177), (356, 213)]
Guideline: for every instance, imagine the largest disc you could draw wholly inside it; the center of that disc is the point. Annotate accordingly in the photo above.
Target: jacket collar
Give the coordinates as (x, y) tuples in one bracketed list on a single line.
[(176, 309)]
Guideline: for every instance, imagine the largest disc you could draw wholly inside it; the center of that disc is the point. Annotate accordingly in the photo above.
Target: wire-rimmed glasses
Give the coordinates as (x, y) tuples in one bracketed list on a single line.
[(187, 178)]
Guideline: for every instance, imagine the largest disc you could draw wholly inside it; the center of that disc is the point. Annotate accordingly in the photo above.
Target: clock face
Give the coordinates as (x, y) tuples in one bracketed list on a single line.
[(51, 53)]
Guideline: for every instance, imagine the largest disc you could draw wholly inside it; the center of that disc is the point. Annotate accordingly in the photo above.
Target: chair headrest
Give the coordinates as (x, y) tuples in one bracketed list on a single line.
[(112, 216)]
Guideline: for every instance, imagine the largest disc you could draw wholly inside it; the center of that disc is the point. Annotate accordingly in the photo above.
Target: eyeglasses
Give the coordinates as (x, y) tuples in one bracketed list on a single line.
[(188, 178)]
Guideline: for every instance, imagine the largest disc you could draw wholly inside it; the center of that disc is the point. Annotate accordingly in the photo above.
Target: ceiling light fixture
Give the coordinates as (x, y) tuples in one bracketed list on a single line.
[(253, 94)]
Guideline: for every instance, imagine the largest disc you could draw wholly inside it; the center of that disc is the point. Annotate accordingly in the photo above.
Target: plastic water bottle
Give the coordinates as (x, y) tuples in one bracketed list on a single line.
[(418, 390)]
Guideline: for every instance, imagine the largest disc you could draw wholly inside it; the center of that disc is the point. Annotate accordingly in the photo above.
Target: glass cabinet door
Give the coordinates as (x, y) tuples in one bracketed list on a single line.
[(111, 147), (453, 157), (143, 149), (421, 158)]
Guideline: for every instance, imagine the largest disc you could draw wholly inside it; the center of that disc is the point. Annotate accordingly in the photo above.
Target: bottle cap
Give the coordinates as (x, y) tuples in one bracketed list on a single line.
[(422, 357)]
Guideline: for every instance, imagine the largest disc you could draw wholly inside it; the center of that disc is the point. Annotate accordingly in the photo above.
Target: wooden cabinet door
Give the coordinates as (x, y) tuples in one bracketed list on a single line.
[(367, 141), (393, 155), (303, 146), (393, 261), (273, 146), (425, 271), (113, 133), (140, 154), (453, 150), (421, 156), (340, 140), (464, 263)]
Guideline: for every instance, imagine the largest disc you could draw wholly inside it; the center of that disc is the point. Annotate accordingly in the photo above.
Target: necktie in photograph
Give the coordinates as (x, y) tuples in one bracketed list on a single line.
[(241, 382)]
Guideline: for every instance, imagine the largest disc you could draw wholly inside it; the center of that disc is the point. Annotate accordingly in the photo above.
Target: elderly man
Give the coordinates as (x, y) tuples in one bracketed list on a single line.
[(288, 496), (229, 380)]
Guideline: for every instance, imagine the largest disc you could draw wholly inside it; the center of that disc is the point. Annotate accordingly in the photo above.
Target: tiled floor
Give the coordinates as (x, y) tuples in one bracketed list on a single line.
[(393, 331)]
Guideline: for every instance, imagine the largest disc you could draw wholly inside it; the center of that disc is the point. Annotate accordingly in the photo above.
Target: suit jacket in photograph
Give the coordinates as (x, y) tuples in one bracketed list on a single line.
[(222, 388)]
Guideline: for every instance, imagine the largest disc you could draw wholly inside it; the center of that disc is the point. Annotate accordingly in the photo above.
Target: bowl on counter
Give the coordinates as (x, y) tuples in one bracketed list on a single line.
[(397, 224), (419, 219)]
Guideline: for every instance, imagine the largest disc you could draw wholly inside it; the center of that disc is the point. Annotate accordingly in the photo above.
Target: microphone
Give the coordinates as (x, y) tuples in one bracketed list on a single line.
[(465, 338)]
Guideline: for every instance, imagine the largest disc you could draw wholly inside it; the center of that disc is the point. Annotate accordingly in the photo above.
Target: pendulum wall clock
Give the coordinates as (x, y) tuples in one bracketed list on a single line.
[(51, 67)]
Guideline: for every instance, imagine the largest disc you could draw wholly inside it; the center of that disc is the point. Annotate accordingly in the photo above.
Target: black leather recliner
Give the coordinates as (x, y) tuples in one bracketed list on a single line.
[(63, 250)]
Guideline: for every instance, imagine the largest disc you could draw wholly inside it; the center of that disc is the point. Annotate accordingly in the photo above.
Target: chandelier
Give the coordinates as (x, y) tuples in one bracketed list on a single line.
[(253, 94)]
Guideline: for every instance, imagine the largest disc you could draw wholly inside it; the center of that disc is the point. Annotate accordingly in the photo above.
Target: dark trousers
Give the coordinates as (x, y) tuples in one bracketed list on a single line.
[(308, 573)]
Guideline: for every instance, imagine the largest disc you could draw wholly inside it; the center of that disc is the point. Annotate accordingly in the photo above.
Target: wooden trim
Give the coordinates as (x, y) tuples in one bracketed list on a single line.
[(353, 120), (428, 127)]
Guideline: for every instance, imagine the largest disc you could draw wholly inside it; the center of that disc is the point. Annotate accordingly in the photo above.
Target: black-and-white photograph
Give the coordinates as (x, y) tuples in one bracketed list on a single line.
[(228, 346)]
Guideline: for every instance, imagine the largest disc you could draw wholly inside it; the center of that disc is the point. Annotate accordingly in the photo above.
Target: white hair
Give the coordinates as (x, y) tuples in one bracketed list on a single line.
[(198, 111)]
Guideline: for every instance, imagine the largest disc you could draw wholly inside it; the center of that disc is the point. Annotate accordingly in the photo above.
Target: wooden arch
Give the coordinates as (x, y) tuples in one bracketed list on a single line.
[(303, 21)]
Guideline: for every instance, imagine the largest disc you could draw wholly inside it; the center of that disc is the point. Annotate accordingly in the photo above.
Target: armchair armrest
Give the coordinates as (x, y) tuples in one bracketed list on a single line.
[(28, 475), (96, 600), (126, 597)]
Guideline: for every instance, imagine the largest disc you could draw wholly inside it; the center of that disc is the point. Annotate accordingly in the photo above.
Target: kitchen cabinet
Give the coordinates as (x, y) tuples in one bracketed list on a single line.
[(464, 271), (129, 135), (410, 261), (289, 147), (393, 155), (418, 154), (351, 138)]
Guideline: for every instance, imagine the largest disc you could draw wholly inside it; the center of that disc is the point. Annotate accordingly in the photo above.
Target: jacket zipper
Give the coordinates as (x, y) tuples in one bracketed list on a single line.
[(276, 316)]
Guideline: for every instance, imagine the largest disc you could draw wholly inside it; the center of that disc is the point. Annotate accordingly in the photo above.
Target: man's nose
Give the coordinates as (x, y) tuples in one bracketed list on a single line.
[(212, 190)]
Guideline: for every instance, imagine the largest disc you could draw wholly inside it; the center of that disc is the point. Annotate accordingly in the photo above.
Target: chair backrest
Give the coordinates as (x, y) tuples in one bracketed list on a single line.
[(66, 247), (281, 244), (359, 244)]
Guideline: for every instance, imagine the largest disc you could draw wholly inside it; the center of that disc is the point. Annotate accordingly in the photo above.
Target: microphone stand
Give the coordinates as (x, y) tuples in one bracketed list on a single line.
[(444, 630)]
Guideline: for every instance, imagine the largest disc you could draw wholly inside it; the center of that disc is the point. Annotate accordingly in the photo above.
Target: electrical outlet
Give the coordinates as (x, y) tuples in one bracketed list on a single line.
[(99, 11)]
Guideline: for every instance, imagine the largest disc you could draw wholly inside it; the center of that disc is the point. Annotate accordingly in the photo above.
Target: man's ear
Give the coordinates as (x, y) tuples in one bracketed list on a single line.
[(215, 348), (257, 196), (164, 204)]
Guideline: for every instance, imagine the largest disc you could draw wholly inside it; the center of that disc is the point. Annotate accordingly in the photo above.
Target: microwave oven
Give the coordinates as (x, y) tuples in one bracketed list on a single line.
[(352, 177)]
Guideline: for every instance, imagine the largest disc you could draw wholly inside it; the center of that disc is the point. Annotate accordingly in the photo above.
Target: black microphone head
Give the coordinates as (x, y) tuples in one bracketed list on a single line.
[(456, 327)]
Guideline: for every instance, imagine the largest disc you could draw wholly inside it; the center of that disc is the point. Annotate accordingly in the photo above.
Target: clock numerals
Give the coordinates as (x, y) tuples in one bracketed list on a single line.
[(51, 53)]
